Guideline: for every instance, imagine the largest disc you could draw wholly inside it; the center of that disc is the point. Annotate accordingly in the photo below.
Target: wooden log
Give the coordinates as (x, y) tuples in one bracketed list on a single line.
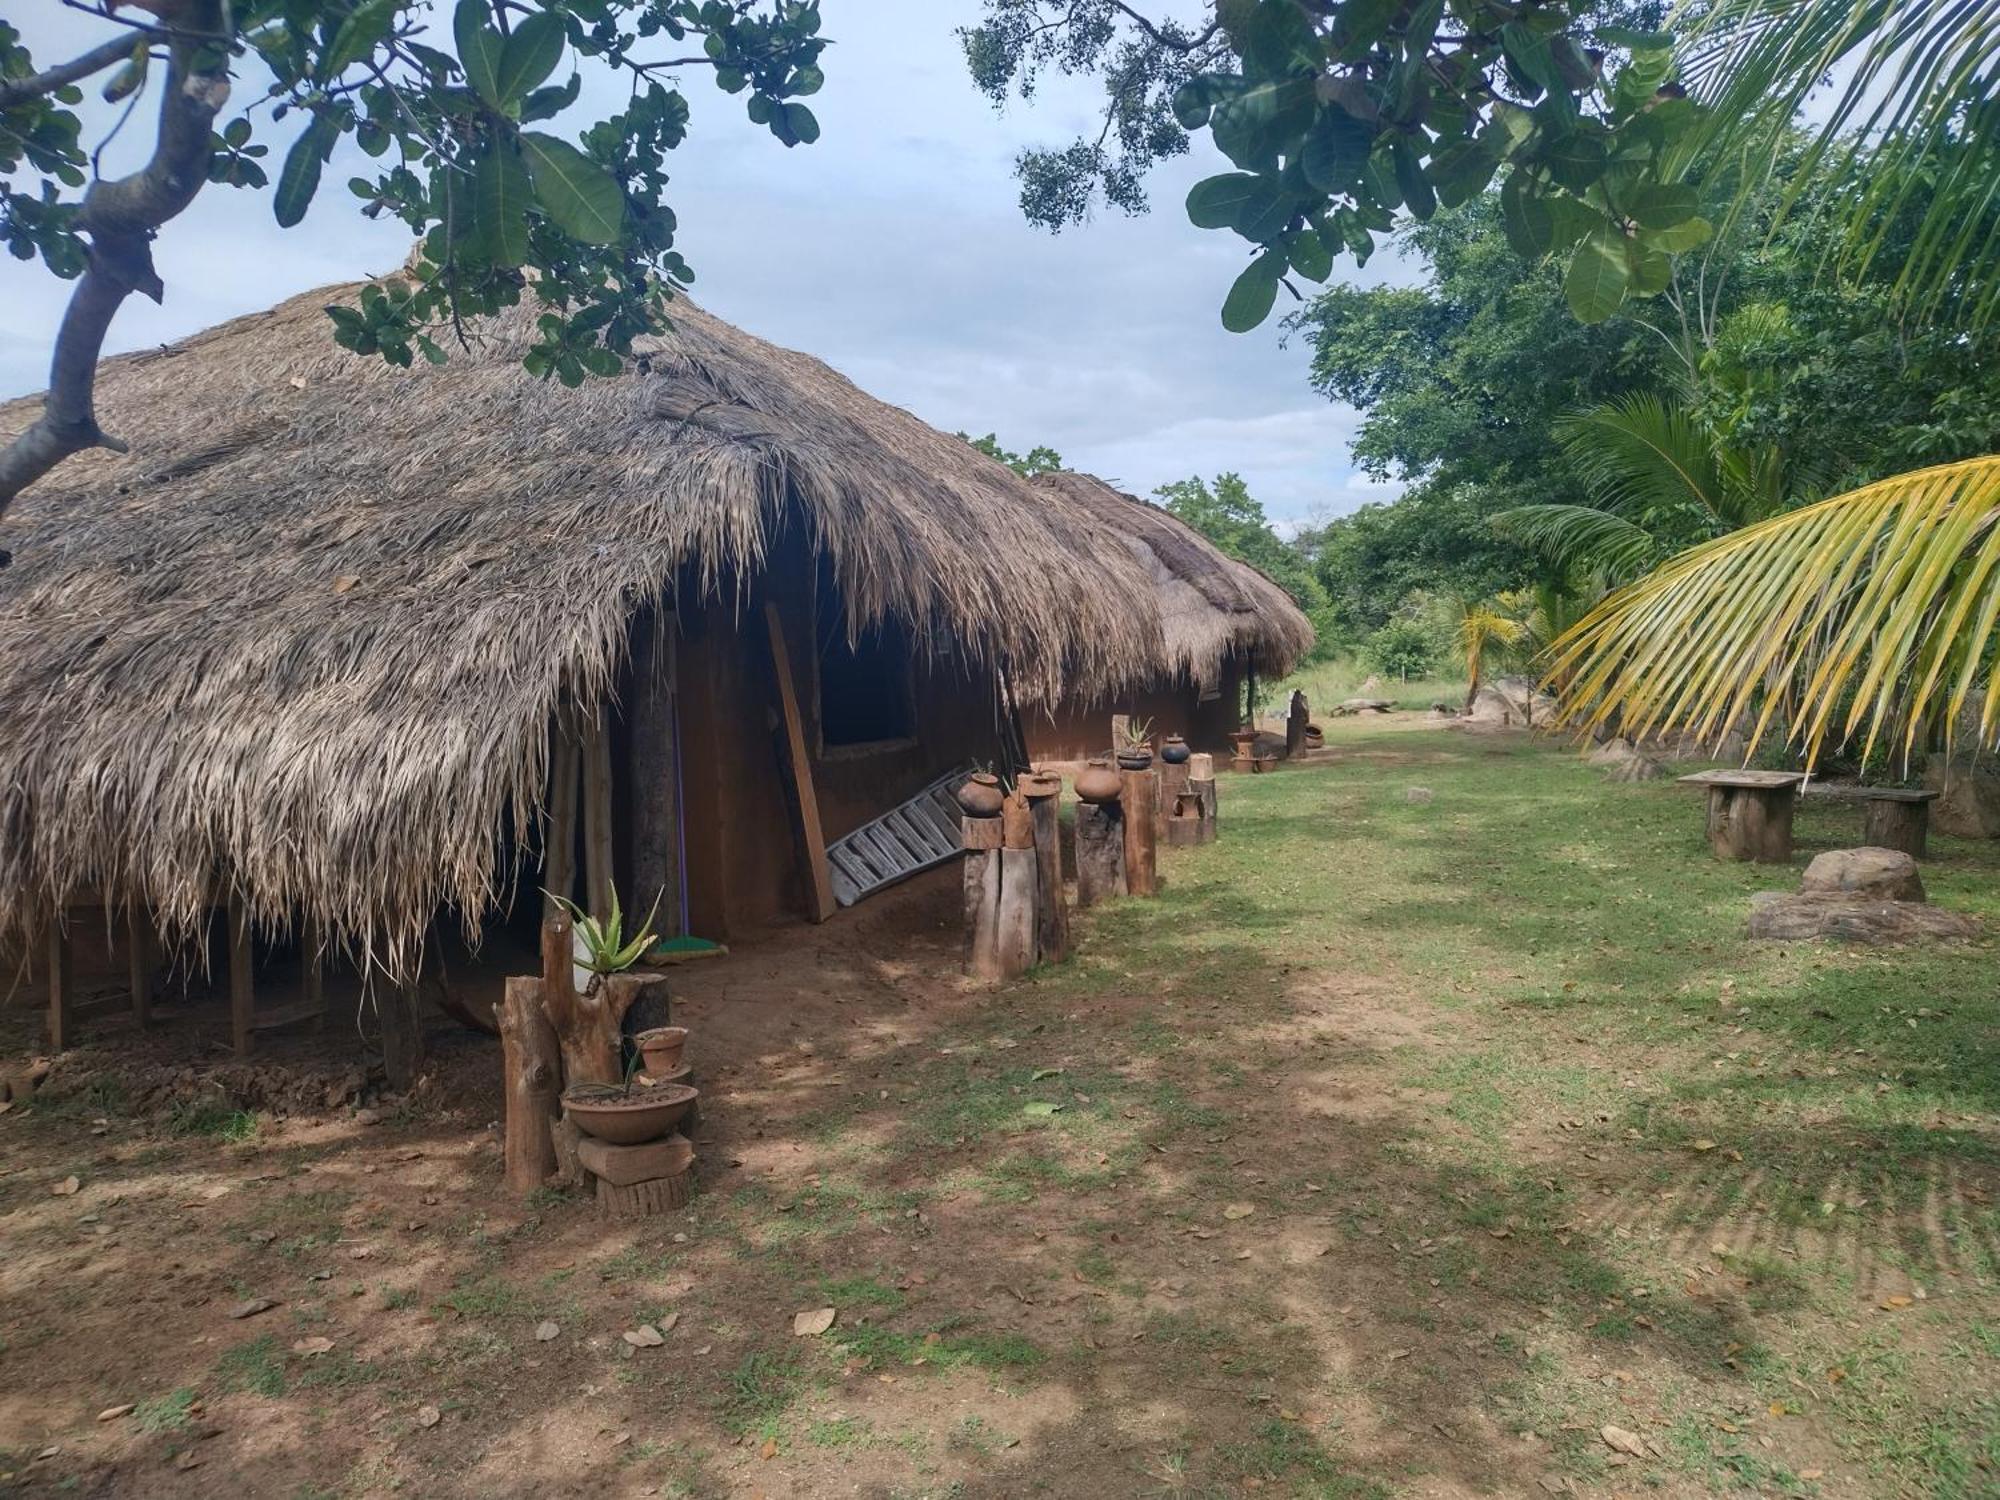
[(139, 962), (1100, 852), (1051, 898), (1183, 833), (401, 1006), (531, 1064), (1014, 925), (568, 1140), (1296, 719), (1173, 781), (982, 913), (61, 1026), (1751, 823), (655, 822), (559, 834), (1140, 800), (1201, 766), (242, 979), (644, 1200), (980, 833), (1017, 824), (588, 1024), (1897, 823), (812, 834), (1204, 790), (599, 876)]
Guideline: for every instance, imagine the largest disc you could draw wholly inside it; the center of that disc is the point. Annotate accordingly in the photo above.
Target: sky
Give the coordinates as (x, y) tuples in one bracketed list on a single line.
[(893, 248)]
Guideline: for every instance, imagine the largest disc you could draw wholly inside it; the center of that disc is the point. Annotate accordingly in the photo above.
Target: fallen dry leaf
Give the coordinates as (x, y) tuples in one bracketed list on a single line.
[(770, 1448), (1704, 1145), (67, 1188), (813, 1323), (251, 1308), (113, 1413), (188, 1458), (1621, 1441), (645, 1336), (313, 1346), (1891, 1304), (546, 1330)]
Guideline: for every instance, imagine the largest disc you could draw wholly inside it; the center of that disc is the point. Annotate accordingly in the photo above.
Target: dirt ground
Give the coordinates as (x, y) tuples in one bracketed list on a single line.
[(1216, 1210)]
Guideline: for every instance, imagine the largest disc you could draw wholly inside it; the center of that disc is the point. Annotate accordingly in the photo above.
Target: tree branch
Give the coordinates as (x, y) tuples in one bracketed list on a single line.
[(1163, 38), (14, 91), (119, 218)]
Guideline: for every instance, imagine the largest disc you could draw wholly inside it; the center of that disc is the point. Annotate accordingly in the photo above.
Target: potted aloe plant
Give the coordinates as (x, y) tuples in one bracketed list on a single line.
[(1136, 751)]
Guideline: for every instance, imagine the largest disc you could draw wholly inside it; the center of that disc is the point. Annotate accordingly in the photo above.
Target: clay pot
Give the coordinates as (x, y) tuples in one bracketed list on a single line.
[(1098, 783), (1038, 784), (661, 1048), (1134, 760), (624, 1119), (981, 796), (1174, 750), (1315, 737), (1243, 739)]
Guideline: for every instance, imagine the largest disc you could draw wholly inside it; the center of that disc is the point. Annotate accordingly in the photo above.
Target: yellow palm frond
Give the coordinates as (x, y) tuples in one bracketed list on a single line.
[(1873, 612)]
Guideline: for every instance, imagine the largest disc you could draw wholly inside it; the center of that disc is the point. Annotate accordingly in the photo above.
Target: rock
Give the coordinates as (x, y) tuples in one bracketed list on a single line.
[(1621, 1441), (251, 1308), (1418, 794), (1781, 916), (1625, 761), (1510, 702), (1874, 874), (1352, 706), (1969, 781)]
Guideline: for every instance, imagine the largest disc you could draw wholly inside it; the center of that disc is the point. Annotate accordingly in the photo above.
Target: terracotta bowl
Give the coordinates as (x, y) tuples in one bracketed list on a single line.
[(661, 1047), (631, 1119)]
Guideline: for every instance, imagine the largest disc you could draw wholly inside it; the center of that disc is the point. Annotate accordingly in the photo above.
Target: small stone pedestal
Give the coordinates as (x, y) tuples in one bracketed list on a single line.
[(637, 1182)]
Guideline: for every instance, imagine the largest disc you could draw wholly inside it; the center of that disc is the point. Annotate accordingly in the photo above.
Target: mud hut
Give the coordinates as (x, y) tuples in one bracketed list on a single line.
[(1223, 624), (340, 655)]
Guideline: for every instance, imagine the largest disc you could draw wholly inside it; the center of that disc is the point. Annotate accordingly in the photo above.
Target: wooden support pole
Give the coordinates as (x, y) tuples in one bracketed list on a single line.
[(61, 1027), (559, 849), (655, 780), (981, 839), (401, 1005), (812, 835), (1100, 852), (1014, 939), (242, 975), (1141, 803), (1051, 899), (139, 962), (312, 969), (532, 1064), (598, 875)]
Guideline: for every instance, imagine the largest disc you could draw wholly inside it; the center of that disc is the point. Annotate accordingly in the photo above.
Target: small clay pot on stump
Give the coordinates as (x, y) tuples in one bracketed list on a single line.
[(1098, 784), (661, 1048), (1135, 760), (981, 796), (1174, 750), (627, 1119)]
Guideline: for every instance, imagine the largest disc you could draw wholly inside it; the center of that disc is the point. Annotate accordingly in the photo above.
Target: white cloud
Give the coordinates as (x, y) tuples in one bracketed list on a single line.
[(893, 248)]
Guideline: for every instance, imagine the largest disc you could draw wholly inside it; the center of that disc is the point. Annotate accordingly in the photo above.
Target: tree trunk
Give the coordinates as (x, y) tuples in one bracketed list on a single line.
[(532, 1064), (1141, 800)]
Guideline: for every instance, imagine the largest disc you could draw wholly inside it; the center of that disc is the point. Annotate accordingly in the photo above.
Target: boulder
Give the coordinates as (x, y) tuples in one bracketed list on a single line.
[(1510, 702), (1969, 800), (1625, 761), (1866, 874), (1363, 706), (1418, 794), (1782, 916)]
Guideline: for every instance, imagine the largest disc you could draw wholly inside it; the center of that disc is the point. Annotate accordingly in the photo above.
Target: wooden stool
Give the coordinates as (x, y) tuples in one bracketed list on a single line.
[(1894, 817), (1750, 812), (636, 1182)]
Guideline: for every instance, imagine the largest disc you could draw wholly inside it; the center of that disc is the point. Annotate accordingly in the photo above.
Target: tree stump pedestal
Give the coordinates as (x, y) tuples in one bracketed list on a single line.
[(636, 1182), (1896, 818), (1750, 813)]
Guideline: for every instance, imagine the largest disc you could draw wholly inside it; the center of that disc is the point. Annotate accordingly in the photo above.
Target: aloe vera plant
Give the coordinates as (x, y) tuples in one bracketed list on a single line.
[(605, 950)]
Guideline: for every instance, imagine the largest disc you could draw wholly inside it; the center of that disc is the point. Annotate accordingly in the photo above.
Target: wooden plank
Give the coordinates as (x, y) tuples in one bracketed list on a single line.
[(242, 981), (139, 962), (559, 831), (599, 875), (61, 982), (811, 835)]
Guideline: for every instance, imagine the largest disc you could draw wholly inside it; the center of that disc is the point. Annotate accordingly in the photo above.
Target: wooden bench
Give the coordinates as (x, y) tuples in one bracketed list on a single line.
[(1895, 817), (1750, 812)]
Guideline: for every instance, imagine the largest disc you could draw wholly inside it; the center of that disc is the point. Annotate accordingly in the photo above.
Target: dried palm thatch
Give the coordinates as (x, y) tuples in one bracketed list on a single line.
[(1211, 606), (308, 636)]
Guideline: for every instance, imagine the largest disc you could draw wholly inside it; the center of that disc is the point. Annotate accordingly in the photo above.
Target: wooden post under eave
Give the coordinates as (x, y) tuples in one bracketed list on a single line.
[(598, 878), (559, 850), (654, 782), (402, 1035), (1051, 900), (139, 962), (242, 979), (60, 1028), (980, 838), (532, 1067), (812, 837)]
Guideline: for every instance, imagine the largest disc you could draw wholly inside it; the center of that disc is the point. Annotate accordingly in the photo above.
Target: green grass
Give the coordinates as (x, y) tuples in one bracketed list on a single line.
[(212, 1118), (168, 1413)]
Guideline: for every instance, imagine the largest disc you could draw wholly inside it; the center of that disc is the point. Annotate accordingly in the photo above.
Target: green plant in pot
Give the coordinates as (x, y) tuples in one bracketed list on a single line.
[(1135, 749), (605, 949), (625, 1115)]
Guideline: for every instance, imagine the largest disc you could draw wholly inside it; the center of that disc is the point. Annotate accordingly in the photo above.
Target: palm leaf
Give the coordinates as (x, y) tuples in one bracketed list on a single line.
[(1645, 456), (1870, 614), (1581, 536), (1908, 116)]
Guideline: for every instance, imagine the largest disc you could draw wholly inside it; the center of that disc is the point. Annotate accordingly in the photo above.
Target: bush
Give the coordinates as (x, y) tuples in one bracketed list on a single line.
[(1402, 648)]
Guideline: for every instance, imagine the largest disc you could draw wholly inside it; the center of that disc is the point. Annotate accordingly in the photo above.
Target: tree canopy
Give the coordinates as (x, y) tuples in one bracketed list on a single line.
[(471, 116)]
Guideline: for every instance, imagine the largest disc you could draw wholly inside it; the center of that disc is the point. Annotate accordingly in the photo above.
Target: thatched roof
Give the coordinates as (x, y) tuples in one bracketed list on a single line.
[(1211, 606), (310, 631)]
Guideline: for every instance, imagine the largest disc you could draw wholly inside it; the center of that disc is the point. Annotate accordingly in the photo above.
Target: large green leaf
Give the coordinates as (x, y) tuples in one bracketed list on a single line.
[(579, 195), (1254, 206), (502, 194), (480, 49), (530, 55), (1250, 299), (1335, 150), (1661, 205), (299, 178), (360, 34), (1594, 285)]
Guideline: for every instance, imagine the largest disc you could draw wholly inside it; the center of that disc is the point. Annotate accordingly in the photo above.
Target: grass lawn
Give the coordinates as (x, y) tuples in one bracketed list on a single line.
[(1446, 1145)]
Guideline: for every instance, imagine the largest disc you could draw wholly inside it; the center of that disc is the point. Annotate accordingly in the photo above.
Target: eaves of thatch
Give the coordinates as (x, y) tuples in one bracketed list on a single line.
[(1211, 606), (307, 636)]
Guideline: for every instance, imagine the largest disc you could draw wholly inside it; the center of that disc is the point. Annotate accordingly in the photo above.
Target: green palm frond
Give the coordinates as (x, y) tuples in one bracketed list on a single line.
[(1573, 537), (1643, 455), (1908, 113), (1870, 614)]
